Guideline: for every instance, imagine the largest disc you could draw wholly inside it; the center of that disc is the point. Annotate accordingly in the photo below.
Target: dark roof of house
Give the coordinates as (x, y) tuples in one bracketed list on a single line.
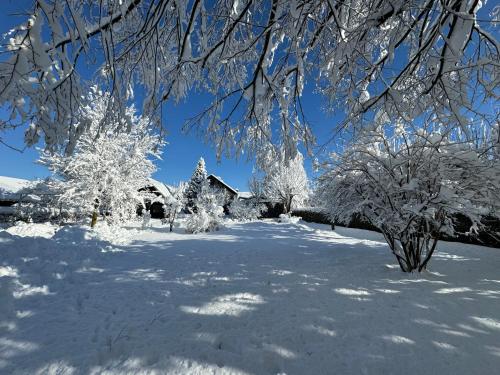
[(220, 180)]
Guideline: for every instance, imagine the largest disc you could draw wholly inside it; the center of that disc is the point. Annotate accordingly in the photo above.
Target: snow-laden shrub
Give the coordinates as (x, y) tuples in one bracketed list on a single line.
[(201, 221), (312, 215), (411, 185), (288, 219), (245, 210), (209, 210), (146, 219), (173, 204)]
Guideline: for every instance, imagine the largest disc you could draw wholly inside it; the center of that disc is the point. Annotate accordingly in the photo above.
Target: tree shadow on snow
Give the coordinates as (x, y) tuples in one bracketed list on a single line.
[(259, 298)]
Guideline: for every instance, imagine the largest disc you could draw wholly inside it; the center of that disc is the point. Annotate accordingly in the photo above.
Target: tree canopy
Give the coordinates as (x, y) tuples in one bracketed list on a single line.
[(401, 59)]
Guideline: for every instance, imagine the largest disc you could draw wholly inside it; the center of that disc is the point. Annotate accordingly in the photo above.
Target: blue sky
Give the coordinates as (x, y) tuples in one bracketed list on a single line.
[(182, 151), (180, 154)]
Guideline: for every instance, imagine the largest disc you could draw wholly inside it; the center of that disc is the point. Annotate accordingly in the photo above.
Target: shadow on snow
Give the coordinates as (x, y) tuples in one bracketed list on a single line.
[(256, 298)]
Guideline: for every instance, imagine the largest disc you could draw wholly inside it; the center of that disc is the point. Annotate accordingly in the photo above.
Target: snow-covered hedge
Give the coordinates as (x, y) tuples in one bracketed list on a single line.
[(312, 215), (245, 210)]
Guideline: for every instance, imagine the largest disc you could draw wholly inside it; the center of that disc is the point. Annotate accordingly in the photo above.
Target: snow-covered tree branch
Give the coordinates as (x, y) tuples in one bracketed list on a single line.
[(405, 58)]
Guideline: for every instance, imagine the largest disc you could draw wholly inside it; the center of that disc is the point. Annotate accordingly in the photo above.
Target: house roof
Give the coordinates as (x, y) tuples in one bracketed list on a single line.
[(11, 187), (245, 195), (162, 188), (223, 183)]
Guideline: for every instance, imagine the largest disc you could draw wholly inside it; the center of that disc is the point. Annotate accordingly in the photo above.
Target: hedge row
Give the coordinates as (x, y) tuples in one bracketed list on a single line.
[(487, 237)]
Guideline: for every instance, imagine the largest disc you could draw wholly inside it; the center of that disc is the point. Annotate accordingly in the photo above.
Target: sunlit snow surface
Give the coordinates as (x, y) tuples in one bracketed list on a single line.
[(254, 298)]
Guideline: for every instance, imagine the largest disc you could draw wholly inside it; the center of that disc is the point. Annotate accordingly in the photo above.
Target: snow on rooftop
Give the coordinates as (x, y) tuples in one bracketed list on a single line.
[(224, 183), (10, 187), (161, 187), (245, 195)]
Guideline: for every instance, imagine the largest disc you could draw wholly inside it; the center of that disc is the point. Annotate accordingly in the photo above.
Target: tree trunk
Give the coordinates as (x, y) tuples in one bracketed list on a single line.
[(416, 251), (287, 206), (94, 218)]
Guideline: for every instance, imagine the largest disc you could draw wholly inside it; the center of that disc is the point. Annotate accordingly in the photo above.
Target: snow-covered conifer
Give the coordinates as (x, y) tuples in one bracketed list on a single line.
[(195, 184)]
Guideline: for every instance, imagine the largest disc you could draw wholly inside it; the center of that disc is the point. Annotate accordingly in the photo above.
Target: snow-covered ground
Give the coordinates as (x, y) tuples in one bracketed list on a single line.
[(254, 298)]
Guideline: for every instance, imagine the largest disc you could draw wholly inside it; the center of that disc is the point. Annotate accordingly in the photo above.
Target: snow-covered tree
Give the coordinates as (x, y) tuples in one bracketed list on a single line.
[(195, 185), (411, 185), (209, 210), (174, 203), (285, 180), (245, 210), (256, 187), (410, 58), (106, 170)]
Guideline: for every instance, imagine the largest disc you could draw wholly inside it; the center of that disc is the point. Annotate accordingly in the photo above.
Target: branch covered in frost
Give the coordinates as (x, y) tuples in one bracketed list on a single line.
[(405, 59)]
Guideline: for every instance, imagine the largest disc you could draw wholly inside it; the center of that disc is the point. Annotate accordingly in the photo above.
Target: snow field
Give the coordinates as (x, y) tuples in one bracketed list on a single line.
[(253, 298)]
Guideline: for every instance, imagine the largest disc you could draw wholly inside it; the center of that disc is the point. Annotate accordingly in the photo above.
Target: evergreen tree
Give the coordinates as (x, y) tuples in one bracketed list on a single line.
[(195, 184)]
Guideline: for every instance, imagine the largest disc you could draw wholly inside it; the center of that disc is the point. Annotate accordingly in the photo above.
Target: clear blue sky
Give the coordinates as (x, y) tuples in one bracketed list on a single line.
[(180, 154)]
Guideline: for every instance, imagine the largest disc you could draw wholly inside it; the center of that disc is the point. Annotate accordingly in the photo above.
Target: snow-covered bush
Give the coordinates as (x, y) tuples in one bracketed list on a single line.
[(245, 210), (174, 203), (199, 222), (313, 215), (288, 219), (107, 168), (146, 219), (410, 185), (209, 213)]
